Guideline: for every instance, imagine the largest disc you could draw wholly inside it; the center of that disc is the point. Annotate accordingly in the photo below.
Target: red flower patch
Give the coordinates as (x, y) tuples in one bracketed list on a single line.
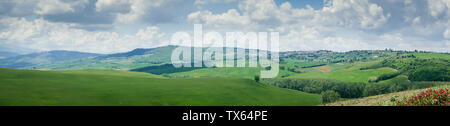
[(431, 97)]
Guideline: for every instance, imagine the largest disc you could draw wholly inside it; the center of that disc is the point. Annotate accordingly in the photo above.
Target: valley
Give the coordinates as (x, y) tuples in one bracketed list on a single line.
[(147, 77)]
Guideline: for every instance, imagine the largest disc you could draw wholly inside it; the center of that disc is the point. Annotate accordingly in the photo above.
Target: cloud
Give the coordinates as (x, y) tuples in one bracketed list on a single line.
[(212, 1), (438, 7), (353, 13), (88, 12), (231, 17), (310, 38), (149, 33), (440, 10), (346, 13), (117, 6), (45, 35), (109, 25), (45, 7), (80, 11), (302, 28), (447, 34), (151, 11), (341, 25), (17, 8)]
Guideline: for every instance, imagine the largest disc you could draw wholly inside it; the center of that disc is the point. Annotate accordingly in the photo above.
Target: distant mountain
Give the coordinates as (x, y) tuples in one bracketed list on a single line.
[(4, 54), (155, 55), (16, 50), (128, 60), (137, 58), (28, 60)]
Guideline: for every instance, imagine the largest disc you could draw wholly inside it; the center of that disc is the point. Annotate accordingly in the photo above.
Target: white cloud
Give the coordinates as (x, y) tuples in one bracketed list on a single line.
[(48, 7), (231, 17), (150, 11), (438, 7), (440, 10), (112, 5), (44, 35), (53, 7), (397, 37), (305, 28), (339, 25), (259, 9), (353, 13), (347, 13), (212, 1), (447, 34), (149, 33), (310, 38)]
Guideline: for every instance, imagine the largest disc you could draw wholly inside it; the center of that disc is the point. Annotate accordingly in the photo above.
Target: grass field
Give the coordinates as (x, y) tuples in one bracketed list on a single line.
[(229, 72), (107, 88), (344, 72), (431, 55)]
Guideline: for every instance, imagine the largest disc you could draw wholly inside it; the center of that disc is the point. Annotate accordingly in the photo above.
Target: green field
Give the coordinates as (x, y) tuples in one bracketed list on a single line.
[(117, 88), (345, 72), (231, 72), (147, 77), (346, 75), (431, 55)]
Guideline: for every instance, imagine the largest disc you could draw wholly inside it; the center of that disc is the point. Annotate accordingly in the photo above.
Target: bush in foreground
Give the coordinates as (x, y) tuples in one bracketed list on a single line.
[(430, 97), (330, 96)]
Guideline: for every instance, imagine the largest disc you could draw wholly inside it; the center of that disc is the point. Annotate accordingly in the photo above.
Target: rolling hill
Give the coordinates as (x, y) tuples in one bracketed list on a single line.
[(29, 60), (146, 77), (4, 54), (112, 88), (349, 72), (132, 60), (136, 58)]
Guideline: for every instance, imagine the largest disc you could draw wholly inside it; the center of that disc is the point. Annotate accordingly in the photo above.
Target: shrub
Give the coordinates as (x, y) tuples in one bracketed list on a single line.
[(430, 97), (257, 78), (330, 96), (317, 86), (348, 89), (431, 74), (387, 76)]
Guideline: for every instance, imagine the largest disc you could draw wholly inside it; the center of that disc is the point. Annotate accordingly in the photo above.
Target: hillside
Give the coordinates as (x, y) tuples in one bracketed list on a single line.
[(110, 88), (352, 66), (380, 100), (349, 74), (136, 58), (28, 60)]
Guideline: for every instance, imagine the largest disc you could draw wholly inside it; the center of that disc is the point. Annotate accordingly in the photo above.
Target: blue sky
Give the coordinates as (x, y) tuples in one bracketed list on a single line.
[(109, 26)]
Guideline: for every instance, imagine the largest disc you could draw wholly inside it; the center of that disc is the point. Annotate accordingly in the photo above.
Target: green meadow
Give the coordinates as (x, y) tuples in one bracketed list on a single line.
[(346, 75), (349, 72), (107, 88), (145, 77)]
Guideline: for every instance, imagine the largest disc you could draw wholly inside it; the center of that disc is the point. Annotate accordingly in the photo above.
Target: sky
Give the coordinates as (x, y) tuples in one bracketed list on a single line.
[(111, 26)]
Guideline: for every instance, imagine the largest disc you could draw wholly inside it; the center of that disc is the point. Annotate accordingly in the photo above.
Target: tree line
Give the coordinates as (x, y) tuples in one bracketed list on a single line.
[(346, 89)]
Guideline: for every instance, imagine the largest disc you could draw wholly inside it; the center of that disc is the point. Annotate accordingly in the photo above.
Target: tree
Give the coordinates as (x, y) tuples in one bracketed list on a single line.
[(431, 73), (257, 78), (330, 96)]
